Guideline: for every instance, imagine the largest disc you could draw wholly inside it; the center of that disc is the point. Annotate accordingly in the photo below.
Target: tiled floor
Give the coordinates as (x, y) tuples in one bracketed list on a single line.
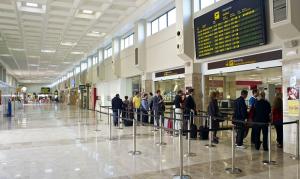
[(60, 142)]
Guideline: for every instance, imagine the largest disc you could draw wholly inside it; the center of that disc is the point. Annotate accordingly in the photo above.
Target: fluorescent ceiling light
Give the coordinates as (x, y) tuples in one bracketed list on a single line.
[(48, 51), (67, 62), (5, 55), (30, 4), (17, 49), (96, 34), (34, 65), (52, 65), (85, 11), (68, 43), (77, 53)]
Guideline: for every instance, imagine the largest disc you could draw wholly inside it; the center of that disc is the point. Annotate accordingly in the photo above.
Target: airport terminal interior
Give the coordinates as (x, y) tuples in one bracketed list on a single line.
[(149, 89)]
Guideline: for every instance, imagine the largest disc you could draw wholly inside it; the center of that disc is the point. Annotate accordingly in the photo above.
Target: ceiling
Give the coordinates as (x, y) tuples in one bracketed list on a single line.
[(38, 44)]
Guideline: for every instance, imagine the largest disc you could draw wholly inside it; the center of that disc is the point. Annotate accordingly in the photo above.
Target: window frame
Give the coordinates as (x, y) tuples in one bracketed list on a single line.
[(167, 21)]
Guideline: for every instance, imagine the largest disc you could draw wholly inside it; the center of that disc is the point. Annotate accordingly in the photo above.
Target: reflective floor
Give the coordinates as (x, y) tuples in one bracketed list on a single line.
[(61, 142)]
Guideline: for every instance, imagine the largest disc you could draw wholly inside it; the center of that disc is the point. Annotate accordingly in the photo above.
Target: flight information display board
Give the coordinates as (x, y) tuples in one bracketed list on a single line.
[(237, 25)]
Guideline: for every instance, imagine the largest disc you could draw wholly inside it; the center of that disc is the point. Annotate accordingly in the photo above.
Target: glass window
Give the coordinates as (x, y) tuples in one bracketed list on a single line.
[(131, 40), (90, 62), (107, 53), (196, 5), (206, 3), (172, 17), (77, 70), (83, 66), (162, 22), (148, 29), (122, 44), (95, 60), (154, 26), (100, 55)]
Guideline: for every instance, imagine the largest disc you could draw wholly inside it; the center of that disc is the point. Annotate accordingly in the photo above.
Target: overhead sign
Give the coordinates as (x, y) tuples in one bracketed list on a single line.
[(262, 57), (45, 90), (237, 25), (81, 87), (170, 72)]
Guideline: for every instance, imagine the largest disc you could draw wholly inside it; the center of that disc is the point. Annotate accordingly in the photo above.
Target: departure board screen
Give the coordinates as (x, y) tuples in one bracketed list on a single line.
[(237, 25)]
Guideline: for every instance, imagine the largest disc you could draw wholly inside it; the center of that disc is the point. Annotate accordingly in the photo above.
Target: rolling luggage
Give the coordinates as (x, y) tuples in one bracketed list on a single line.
[(204, 131), (193, 131)]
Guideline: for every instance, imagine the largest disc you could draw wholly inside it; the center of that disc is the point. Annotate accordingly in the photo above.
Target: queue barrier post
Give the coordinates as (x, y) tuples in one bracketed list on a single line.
[(97, 129), (174, 123), (269, 161), (161, 143), (119, 119), (233, 169), (110, 126), (189, 153), (210, 138), (108, 116), (134, 151), (181, 175), (297, 157), (154, 121)]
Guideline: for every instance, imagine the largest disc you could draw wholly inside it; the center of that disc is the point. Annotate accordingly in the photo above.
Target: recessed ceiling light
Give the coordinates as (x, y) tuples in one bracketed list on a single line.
[(85, 11), (68, 43), (48, 51), (77, 53), (30, 4)]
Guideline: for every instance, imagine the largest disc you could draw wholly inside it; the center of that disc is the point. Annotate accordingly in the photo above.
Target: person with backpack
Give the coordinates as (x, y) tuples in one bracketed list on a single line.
[(214, 113), (117, 105), (262, 113), (240, 115)]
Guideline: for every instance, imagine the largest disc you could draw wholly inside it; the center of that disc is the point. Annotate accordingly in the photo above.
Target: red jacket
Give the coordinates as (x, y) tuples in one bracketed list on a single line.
[(277, 115)]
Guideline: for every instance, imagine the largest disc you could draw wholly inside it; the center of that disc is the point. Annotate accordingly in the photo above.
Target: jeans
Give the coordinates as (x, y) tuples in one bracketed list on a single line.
[(240, 131), (279, 132), (138, 114), (178, 117), (257, 132), (116, 117)]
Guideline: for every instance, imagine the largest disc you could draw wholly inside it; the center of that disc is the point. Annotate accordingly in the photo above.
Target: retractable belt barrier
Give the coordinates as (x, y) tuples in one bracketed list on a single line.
[(232, 170)]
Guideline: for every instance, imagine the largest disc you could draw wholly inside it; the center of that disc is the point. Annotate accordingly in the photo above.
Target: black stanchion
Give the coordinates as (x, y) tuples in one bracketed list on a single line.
[(181, 175), (269, 161), (233, 169)]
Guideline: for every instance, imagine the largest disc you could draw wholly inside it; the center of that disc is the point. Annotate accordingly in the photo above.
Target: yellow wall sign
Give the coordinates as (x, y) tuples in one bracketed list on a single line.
[(293, 107), (217, 15)]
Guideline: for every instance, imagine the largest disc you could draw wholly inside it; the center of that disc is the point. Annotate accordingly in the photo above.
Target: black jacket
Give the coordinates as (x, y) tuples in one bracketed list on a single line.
[(213, 108), (189, 104), (116, 103), (262, 110), (177, 101), (240, 109)]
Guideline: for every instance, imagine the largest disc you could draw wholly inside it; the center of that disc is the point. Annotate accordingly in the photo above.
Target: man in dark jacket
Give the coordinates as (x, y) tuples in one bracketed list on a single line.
[(158, 107), (117, 105), (189, 106), (240, 114), (262, 112)]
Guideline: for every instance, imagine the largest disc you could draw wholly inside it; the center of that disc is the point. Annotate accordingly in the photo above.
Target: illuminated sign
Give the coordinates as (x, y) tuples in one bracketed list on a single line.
[(45, 90), (237, 25)]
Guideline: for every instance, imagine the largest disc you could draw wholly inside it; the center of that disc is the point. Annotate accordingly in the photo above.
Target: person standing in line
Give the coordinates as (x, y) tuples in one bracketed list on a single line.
[(117, 105), (130, 108), (158, 107), (277, 119), (252, 102), (262, 113), (178, 109), (145, 108), (150, 100), (214, 112), (125, 108), (137, 105), (240, 114), (189, 107)]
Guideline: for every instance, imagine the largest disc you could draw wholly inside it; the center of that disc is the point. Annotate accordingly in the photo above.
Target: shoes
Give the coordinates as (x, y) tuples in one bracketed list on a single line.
[(215, 141), (240, 147), (279, 146)]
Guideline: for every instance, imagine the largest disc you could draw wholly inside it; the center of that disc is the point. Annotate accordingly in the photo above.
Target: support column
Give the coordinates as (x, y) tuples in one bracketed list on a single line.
[(140, 29), (147, 83)]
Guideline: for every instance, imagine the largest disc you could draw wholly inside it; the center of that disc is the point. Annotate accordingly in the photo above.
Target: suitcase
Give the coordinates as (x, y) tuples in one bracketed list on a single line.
[(127, 122), (193, 131), (203, 134)]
